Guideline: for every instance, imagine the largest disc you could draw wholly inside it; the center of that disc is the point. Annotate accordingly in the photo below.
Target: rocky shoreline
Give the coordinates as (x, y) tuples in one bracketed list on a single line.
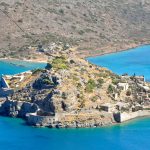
[(29, 112)]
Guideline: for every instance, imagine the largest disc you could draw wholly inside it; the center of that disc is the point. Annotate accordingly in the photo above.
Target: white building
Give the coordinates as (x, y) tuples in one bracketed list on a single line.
[(123, 86)]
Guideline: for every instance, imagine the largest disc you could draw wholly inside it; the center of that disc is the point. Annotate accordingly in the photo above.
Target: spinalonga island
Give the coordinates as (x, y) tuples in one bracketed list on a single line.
[(72, 93)]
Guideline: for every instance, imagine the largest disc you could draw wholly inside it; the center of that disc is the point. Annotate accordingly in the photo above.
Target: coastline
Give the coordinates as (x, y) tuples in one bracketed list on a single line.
[(114, 50), (124, 117), (85, 56), (26, 60), (14, 109), (34, 120)]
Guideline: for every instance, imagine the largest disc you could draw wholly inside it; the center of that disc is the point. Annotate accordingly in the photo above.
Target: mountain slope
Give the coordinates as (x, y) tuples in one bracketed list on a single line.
[(95, 27)]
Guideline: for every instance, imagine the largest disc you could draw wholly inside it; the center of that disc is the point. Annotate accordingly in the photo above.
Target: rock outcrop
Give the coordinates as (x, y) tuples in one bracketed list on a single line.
[(13, 108)]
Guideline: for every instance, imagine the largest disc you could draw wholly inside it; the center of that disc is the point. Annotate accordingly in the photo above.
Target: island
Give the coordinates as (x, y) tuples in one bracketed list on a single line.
[(73, 93)]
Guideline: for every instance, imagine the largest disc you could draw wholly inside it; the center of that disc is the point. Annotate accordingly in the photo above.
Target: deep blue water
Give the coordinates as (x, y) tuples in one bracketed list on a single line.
[(15, 135), (14, 67), (135, 60)]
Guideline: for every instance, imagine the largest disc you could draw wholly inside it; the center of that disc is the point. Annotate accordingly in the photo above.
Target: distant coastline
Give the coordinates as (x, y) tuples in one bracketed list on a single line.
[(116, 50), (24, 59)]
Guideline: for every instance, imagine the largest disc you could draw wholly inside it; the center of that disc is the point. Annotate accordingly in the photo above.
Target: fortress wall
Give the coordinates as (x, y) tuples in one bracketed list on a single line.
[(125, 116)]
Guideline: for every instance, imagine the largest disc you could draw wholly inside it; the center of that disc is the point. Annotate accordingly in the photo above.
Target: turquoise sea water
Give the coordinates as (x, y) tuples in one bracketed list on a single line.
[(133, 135), (14, 67), (135, 60), (15, 135)]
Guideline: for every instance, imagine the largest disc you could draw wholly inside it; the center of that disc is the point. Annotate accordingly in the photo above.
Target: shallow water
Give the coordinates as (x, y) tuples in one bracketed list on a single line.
[(15, 135), (135, 60), (14, 67)]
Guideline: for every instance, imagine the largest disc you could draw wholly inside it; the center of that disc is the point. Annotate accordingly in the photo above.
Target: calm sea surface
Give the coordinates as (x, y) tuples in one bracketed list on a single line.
[(15, 135), (136, 61), (133, 135), (14, 67)]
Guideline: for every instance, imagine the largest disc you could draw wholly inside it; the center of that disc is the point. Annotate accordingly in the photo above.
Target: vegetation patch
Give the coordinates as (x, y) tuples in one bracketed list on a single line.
[(60, 63), (110, 89), (36, 71), (94, 99), (90, 86), (100, 83)]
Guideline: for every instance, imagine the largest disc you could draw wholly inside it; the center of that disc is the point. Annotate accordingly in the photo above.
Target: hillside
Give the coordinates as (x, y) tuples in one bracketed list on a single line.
[(95, 27)]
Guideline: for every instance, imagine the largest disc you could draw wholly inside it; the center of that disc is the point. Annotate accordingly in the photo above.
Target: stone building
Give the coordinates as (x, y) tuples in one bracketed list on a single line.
[(123, 86), (108, 107)]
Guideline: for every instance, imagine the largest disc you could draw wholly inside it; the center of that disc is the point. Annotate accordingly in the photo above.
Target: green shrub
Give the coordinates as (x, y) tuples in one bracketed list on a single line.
[(79, 85), (34, 71), (61, 11), (60, 63), (83, 70), (115, 81), (64, 96), (47, 81), (72, 61), (110, 89), (90, 86), (81, 32), (94, 99), (103, 74), (100, 83), (75, 78)]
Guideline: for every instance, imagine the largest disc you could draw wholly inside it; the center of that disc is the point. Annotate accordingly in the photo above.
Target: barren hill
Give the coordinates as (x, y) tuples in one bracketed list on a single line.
[(94, 26)]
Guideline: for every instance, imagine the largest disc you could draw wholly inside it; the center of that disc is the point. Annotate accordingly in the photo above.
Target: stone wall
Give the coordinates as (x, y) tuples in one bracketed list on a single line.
[(36, 120), (122, 117)]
